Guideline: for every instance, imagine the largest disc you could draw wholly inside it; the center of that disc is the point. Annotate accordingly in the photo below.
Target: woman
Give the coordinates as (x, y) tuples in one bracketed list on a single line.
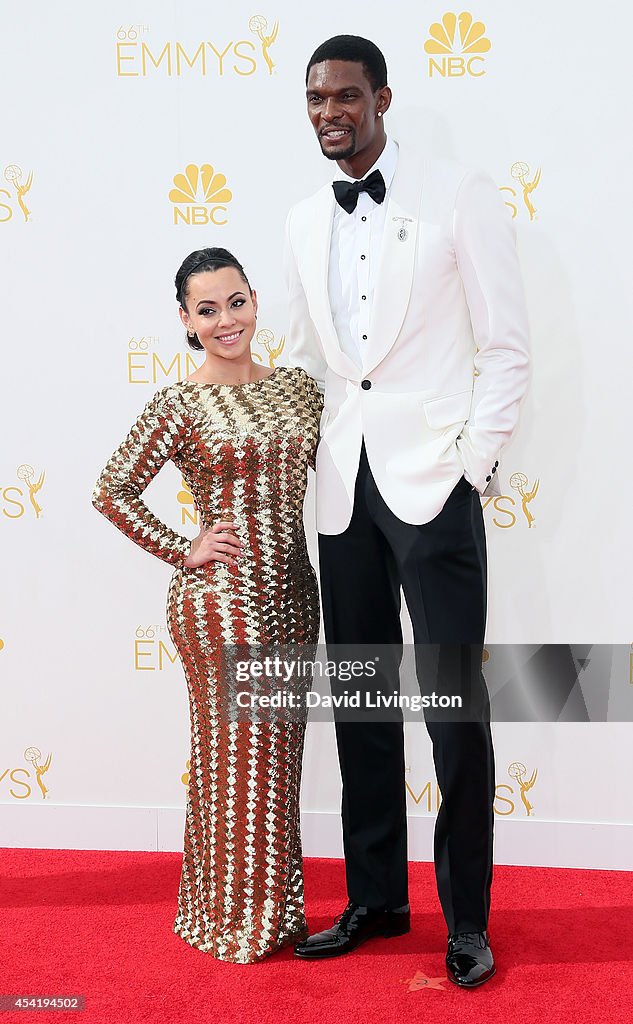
[(242, 438)]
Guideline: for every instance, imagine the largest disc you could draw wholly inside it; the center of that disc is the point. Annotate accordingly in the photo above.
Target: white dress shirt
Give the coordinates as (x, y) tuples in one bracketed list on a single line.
[(354, 256)]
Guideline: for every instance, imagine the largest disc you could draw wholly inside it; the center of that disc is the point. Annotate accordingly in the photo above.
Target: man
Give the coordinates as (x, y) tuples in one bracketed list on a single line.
[(406, 304)]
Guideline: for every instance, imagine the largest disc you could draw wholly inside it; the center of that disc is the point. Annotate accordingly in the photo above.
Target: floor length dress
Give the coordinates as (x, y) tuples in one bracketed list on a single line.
[(243, 450)]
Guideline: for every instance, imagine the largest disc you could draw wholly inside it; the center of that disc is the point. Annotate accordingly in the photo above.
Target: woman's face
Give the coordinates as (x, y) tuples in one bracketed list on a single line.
[(221, 311)]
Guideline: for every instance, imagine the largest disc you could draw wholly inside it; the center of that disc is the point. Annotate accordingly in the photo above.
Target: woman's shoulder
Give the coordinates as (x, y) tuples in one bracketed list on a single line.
[(168, 399), (298, 375), (169, 392), (305, 389)]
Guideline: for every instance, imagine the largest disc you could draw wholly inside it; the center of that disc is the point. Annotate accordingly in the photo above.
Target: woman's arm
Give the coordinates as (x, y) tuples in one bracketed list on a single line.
[(153, 440)]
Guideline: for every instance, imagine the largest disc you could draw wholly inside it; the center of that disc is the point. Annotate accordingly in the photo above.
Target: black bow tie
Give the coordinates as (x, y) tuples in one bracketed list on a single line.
[(347, 192)]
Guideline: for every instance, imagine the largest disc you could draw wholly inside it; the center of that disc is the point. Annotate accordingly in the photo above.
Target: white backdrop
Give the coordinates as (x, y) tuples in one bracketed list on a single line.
[(103, 109)]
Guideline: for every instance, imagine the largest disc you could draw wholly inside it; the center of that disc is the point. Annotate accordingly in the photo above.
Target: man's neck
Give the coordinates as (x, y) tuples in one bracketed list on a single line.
[(358, 165)]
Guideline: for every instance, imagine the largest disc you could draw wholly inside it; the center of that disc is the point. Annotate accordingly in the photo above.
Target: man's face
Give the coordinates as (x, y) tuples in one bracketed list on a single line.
[(343, 108)]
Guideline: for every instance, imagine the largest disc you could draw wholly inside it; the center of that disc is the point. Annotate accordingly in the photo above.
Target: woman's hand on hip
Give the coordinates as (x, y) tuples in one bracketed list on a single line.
[(214, 544)]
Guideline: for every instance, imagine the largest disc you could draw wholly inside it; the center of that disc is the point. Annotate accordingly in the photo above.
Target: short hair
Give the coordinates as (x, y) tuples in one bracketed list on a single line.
[(198, 262), (353, 48)]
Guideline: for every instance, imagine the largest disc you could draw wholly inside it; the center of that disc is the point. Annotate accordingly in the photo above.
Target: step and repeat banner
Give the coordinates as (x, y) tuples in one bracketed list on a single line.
[(132, 134)]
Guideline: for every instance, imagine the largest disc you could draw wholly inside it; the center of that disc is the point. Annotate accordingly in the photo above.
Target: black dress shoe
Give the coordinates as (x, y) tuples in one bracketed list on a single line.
[(354, 926), (469, 960)]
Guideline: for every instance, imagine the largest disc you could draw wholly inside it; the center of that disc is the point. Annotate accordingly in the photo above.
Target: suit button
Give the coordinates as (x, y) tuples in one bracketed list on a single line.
[(488, 479), (496, 464), (494, 469), (363, 297), (364, 337), (365, 385)]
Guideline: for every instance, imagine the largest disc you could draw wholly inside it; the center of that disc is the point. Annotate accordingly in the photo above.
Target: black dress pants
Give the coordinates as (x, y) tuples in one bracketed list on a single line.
[(441, 568)]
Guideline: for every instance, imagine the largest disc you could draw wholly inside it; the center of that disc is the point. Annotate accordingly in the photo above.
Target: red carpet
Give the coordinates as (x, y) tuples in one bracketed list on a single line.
[(99, 925)]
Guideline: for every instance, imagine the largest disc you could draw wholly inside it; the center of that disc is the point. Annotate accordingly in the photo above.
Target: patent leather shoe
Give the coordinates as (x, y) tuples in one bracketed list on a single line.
[(469, 960), (354, 926)]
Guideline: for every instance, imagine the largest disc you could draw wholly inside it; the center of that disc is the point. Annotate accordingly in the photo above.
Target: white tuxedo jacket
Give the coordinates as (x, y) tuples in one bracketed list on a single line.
[(446, 360)]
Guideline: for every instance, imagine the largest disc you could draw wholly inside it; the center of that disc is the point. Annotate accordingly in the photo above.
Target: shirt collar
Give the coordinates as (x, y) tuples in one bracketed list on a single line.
[(386, 164)]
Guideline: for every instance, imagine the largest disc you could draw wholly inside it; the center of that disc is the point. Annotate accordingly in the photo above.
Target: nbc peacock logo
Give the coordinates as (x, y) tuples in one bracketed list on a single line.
[(456, 45), (200, 196), (187, 502)]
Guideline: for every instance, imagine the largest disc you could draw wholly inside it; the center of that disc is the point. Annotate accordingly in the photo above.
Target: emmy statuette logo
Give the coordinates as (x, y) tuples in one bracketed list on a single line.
[(522, 175), (34, 756), (506, 805), (518, 772), (456, 45), (520, 483), (13, 176), (259, 26), (15, 500), (26, 474), (22, 777), (503, 507), (266, 339), (200, 196)]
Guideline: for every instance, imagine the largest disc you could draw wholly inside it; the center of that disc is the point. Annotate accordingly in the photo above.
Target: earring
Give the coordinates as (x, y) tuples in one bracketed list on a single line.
[(380, 113), (191, 334)]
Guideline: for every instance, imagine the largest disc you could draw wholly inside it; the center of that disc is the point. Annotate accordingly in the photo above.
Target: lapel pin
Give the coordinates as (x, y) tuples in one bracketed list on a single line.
[(403, 234)]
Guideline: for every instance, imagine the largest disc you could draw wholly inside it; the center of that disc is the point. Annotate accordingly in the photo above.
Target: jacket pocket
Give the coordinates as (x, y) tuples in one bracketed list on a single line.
[(443, 412)]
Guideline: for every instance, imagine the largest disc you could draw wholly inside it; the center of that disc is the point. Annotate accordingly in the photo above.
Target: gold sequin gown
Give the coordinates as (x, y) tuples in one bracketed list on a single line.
[(244, 452)]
